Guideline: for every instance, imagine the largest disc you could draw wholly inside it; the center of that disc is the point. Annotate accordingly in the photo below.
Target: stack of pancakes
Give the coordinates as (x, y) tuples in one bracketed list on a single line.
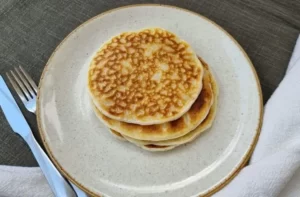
[(150, 88)]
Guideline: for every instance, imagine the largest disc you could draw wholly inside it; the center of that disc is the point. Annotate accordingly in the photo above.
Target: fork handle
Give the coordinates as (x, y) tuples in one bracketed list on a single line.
[(58, 184)]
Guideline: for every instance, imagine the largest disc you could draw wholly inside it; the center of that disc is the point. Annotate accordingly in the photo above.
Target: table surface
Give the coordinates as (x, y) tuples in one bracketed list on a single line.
[(31, 29)]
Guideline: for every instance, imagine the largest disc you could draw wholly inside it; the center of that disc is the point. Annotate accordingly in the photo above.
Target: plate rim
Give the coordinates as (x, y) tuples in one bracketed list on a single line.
[(220, 184)]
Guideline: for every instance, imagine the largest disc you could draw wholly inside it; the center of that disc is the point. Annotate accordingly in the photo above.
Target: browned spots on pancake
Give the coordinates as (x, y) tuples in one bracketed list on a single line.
[(205, 96), (178, 124), (200, 101), (152, 129), (148, 73)]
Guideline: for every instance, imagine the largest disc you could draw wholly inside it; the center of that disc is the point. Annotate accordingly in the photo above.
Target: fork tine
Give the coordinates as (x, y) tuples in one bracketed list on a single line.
[(25, 82), (21, 85), (16, 87), (30, 80)]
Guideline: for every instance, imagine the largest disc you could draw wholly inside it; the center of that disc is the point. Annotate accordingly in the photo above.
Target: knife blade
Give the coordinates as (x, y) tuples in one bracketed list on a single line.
[(16, 120), (12, 112)]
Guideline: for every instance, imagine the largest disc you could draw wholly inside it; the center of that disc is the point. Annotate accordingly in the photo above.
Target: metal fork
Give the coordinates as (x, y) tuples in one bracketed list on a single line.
[(27, 91)]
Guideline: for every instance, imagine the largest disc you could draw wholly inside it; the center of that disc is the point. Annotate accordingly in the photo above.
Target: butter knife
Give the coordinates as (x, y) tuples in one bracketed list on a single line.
[(16, 120)]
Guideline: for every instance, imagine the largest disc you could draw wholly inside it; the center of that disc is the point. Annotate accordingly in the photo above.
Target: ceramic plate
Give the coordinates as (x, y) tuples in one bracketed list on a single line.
[(87, 154)]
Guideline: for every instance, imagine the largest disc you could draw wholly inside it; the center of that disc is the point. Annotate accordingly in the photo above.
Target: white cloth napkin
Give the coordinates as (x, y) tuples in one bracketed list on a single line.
[(23, 182), (274, 169)]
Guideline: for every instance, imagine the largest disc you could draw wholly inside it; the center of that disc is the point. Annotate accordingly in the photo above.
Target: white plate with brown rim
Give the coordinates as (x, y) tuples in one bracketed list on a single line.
[(89, 156)]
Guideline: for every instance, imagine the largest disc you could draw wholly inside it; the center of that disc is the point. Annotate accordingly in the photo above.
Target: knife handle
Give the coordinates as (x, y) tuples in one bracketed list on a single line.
[(57, 182)]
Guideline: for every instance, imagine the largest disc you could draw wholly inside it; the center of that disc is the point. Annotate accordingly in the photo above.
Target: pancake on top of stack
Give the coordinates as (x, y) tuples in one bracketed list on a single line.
[(146, 77), (150, 89)]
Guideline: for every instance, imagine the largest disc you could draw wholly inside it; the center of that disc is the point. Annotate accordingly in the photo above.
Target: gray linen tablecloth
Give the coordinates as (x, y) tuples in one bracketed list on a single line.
[(31, 29)]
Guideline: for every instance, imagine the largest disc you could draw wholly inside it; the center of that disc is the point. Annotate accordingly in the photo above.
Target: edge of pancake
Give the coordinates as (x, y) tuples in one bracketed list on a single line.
[(117, 135), (152, 147), (148, 147)]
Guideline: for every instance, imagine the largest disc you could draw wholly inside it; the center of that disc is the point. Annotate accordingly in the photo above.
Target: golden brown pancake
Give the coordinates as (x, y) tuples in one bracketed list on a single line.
[(146, 77), (170, 130), (206, 124)]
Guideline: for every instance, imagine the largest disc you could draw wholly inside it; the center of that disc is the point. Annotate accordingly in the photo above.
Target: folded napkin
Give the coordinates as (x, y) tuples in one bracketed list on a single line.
[(274, 168)]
